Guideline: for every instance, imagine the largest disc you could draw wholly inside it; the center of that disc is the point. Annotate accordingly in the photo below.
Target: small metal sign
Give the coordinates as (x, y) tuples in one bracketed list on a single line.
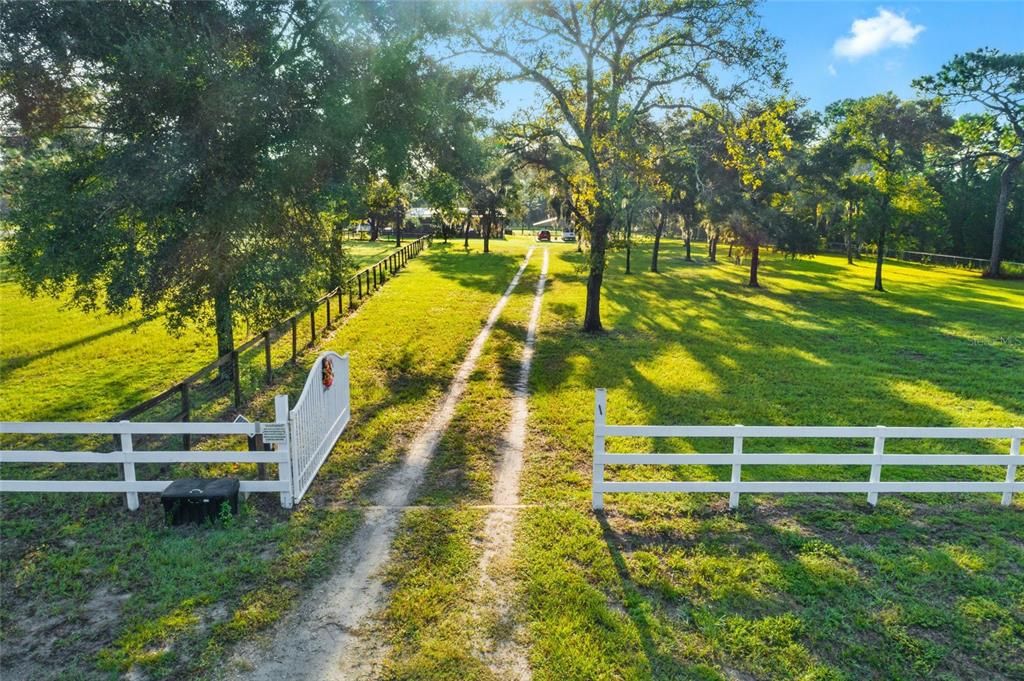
[(275, 433)]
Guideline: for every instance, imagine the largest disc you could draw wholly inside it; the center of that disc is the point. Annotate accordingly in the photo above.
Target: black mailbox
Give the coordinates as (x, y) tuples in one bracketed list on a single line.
[(195, 500)]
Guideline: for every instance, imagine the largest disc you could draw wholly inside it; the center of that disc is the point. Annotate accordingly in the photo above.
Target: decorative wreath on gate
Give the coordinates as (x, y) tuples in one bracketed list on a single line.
[(327, 373)]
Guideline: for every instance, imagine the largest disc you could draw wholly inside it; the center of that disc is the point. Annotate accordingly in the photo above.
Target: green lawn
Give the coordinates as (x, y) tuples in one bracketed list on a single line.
[(799, 586), (93, 590), (59, 363), (661, 586)]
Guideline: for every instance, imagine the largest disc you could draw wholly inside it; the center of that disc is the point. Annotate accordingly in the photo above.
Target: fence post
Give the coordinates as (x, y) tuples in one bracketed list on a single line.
[(737, 469), (328, 301), (295, 341), (340, 303), (186, 415), (312, 326), (359, 283), (284, 468), (374, 268), (266, 357), (876, 468), (1011, 468), (600, 417), (129, 470), (236, 374)]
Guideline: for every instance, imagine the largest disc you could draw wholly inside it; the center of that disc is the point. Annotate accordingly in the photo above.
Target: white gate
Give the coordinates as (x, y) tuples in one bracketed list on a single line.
[(319, 417)]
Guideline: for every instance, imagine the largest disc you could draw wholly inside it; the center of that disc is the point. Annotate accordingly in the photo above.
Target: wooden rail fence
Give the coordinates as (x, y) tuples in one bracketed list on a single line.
[(179, 403)]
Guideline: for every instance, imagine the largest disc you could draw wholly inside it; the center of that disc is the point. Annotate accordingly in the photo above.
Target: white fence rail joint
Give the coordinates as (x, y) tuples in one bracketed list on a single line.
[(877, 460), (321, 415)]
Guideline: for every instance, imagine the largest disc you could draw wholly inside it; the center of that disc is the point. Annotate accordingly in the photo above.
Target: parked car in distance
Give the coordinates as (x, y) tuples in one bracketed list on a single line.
[(543, 235), (568, 235)]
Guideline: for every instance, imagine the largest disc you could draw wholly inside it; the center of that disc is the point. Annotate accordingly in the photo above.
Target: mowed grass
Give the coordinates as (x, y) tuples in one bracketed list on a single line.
[(661, 586), (679, 587), (808, 587), (60, 363), (93, 591)]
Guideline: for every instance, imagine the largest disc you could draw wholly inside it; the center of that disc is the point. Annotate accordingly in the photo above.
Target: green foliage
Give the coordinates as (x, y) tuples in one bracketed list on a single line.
[(189, 156), (605, 67)]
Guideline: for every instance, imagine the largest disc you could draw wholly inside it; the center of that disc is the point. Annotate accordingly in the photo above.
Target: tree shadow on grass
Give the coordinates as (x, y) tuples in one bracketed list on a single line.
[(852, 575), (18, 361), (490, 272)]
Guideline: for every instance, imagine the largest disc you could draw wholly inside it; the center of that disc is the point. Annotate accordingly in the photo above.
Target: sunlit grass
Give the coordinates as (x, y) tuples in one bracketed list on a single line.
[(674, 586), (173, 600)]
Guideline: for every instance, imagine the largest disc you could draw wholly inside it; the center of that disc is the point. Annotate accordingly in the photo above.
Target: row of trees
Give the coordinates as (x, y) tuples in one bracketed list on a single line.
[(205, 158), (679, 110)]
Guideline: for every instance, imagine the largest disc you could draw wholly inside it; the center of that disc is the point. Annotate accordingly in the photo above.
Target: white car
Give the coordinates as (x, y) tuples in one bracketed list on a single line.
[(568, 235)]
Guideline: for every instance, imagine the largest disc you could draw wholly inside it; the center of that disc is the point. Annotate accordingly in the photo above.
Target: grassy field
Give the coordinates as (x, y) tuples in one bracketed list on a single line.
[(91, 591), (660, 586), (59, 363), (791, 587)]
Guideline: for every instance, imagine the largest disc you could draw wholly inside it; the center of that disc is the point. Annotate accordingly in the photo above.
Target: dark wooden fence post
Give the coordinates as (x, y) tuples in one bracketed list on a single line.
[(186, 416), (340, 301), (374, 268), (328, 301), (312, 325), (237, 376), (266, 357), (295, 340), (359, 283)]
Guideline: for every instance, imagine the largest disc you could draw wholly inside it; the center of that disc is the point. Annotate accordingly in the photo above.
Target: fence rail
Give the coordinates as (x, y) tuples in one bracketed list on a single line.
[(127, 457), (180, 402), (303, 437), (738, 458), (922, 257)]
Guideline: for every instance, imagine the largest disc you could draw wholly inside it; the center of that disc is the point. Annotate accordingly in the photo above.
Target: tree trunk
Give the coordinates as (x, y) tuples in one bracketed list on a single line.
[(1005, 183), (629, 243), (657, 239), (598, 247), (688, 257), (880, 257), (713, 249), (755, 260), (485, 225), (465, 230), (225, 331), (444, 231), (400, 216), (374, 229), (729, 254)]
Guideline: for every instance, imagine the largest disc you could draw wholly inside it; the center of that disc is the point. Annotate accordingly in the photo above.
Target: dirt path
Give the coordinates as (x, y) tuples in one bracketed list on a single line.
[(313, 642), (501, 644)]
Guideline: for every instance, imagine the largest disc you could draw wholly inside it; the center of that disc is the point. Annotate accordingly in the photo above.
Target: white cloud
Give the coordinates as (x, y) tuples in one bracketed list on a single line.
[(868, 36)]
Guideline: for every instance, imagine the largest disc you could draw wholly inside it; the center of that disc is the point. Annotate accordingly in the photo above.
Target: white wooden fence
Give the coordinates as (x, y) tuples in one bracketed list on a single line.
[(738, 458), (322, 418), (319, 417)]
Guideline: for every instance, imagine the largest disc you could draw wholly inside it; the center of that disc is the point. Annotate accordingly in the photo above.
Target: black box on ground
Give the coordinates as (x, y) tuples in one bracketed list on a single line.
[(195, 500)]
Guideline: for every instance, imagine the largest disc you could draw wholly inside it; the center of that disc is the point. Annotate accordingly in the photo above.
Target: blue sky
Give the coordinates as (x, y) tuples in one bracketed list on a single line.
[(830, 57)]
